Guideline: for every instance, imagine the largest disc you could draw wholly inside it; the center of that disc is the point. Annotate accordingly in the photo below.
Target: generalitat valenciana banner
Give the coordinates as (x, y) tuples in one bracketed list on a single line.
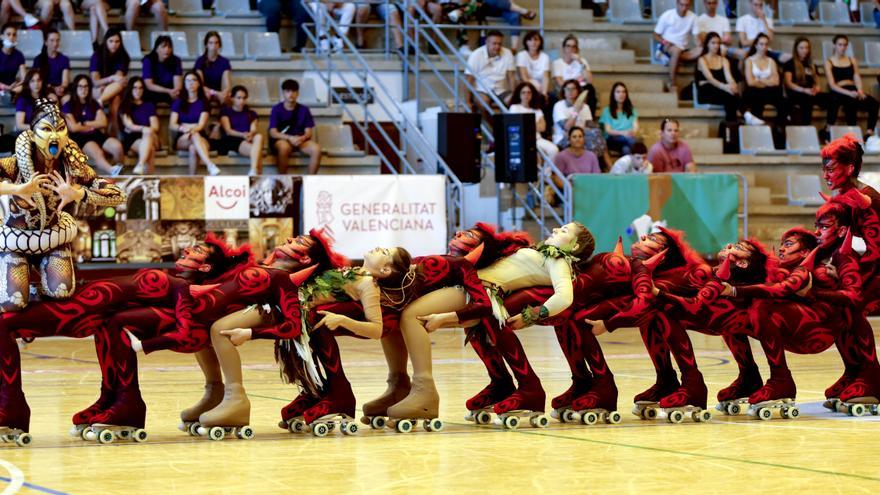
[(361, 212)]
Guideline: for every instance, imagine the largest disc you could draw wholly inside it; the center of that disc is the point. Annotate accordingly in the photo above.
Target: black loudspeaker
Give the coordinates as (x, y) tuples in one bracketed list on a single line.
[(516, 152), (458, 142)]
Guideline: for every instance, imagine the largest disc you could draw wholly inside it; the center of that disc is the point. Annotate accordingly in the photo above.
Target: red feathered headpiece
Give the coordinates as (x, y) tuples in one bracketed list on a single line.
[(228, 251), (802, 233), (772, 272), (500, 244), (676, 237), (845, 150), (335, 259)]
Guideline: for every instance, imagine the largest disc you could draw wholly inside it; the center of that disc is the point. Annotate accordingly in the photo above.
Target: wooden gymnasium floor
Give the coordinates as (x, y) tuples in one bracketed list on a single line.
[(818, 451)]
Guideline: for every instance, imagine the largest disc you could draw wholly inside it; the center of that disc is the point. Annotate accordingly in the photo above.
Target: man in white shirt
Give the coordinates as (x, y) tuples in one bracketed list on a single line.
[(673, 32), (491, 69), (750, 25), (712, 22)]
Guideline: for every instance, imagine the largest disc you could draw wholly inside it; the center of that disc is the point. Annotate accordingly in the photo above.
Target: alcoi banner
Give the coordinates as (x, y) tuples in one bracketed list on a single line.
[(704, 206), (365, 211)]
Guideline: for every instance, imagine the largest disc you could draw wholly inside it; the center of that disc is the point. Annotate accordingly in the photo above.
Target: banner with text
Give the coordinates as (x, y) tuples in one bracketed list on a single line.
[(364, 211), (703, 205)]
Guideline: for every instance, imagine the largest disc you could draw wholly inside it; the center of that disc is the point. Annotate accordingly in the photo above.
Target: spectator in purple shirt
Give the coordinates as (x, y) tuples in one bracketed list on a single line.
[(215, 69), (576, 159), (140, 126), (189, 119), (240, 134), (53, 65), (24, 105), (88, 125), (12, 65), (163, 72), (290, 129), (109, 68)]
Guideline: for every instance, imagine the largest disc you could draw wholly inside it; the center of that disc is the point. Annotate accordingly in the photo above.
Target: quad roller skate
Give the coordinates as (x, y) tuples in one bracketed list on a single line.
[(646, 404), (406, 425), (522, 404), (229, 419), (561, 404), (14, 425), (732, 407), (481, 406), (422, 403), (320, 427), (124, 420), (327, 414), (599, 404), (376, 411), (859, 406), (83, 419), (104, 434), (189, 418), (220, 432), (832, 393), (292, 414), (16, 436), (732, 398), (764, 410), (689, 399), (860, 397)]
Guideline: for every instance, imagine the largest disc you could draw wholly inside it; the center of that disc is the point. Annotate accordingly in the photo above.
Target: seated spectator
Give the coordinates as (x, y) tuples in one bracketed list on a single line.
[(7, 7), (673, 32), (762, 84), (491, 71), (291, 128), (189, 120), (524, 100), (511, 12), (24, 104), (619, 120), (533, 65), (109, 68), (12, 66), (876, 13), (712, 22), (97, 10), (715, 83), (240, 134), (845, 86), (53, 65), (141, 8), (388, 12), (801, 83), (575, 159), (87, 124), (571, 111), (162, 71), (344, 12), (215, 69), (750, 25), (572, 66), (670, 154), (636, 162), (47, 11), (140, 126)]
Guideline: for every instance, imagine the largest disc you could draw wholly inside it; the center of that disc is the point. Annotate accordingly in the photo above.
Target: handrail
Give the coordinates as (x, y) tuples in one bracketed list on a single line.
[(411, 138)]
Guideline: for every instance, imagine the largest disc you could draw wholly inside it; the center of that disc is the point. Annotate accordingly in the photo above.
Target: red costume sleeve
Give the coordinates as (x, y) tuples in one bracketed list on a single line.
[(798, 280), (850, 292), (286, 296)]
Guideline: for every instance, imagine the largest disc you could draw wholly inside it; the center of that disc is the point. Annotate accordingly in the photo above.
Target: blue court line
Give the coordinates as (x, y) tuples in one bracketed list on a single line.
[(36, 487)]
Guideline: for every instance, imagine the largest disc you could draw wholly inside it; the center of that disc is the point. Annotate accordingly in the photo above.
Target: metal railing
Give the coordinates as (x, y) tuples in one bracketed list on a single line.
[(440, 78), (413, 151)]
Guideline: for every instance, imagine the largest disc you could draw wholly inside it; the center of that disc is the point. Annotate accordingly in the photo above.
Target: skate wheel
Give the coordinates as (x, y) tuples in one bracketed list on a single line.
[(793, 412), (540, 421), (214, 433), (675, 417), (764, 414), (23, 440), (589, 418), (483, 417), (702, 416), (87, 434), (435, 424), (349, 428), (733, 409), (510, 422), (856, 410), (320, 430), (569, 416), (404, 426), (649, 413), (105, 437), (783, 412), (139, 435), (124, 434), (296, 426), (613, 418), (194, 429), (245, 433), (377, 422)]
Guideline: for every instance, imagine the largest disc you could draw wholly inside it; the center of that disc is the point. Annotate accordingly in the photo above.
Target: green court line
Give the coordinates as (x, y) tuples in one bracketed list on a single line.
[(705, 456)]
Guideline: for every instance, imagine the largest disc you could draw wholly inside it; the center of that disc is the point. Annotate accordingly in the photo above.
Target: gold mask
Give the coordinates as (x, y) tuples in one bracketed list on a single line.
[(49, 129)]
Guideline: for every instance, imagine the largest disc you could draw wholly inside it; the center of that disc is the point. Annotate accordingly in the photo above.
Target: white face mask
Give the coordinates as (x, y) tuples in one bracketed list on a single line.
[(8, 44)]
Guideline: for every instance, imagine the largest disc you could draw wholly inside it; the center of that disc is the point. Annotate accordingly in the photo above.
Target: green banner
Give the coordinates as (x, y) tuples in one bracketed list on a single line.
[(703, 205)]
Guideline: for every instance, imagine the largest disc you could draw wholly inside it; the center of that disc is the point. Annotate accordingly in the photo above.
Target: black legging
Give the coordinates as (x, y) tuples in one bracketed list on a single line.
[(706, 93), (800, 108), (851, 106), (755, 99)]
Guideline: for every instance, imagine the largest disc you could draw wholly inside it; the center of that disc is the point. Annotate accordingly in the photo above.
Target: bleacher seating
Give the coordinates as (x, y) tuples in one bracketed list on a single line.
[(803, 190), (77, 44), (263, 46), (258, 89), (30, 42), (658, 7), (234, 8), (834, 14), (794, 13), (802, 139), (188, 8), (132, 43), (828, 49), (336, 140), (757, 140), (228, 49), (872, 53), (626, 11), (838, 131), (866, 10)]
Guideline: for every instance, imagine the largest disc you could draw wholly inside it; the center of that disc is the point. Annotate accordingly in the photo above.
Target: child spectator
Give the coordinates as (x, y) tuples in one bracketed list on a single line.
[(87, 124), (636, 162), (53, 65), (140, 126), (240, 134), (12, 66), (291, 128), (24, 105)]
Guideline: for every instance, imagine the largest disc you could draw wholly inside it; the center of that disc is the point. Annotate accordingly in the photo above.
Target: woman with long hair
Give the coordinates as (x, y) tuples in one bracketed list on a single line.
[(801, 82), (240, 134), (525, 99), (88, 127), (139, 124), (715, 82), (34, 88), (162, 72), (845, 86), (189, 119), (53, 65), (215, 69), (619, 120), (762, 83), (109, 68)]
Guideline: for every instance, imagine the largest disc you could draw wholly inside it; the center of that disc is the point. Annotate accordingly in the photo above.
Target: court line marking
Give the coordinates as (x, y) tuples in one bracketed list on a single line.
[(37, 488), (704, 456), (15, 480)]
